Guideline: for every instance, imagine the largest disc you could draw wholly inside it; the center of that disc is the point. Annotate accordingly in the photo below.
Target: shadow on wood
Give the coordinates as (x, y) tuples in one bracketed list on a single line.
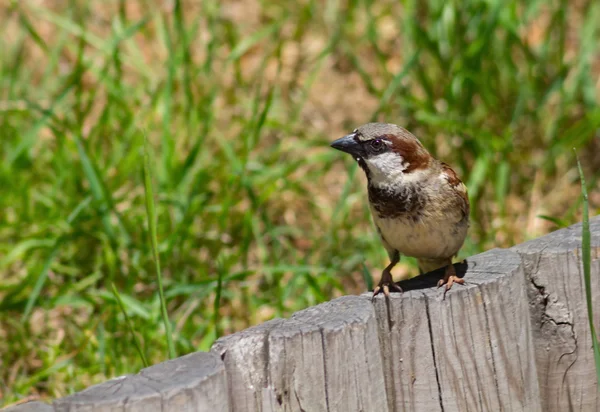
[(431, 279)]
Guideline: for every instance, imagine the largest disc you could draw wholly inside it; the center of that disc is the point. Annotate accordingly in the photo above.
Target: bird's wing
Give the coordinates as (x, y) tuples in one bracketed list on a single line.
[(460, 188)]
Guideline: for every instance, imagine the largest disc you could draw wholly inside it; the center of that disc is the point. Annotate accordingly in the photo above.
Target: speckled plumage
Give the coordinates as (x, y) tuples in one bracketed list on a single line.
[(419, 205), (425, 219)]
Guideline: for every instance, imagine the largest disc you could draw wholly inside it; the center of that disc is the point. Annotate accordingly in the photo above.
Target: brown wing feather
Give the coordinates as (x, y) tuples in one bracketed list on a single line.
[(461, 189)]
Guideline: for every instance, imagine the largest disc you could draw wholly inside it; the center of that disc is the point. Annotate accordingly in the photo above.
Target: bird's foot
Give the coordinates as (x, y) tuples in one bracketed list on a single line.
[(385, 285), (450, 278)]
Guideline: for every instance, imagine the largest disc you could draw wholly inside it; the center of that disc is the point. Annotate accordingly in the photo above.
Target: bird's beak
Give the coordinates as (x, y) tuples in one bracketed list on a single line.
[(348, 144)]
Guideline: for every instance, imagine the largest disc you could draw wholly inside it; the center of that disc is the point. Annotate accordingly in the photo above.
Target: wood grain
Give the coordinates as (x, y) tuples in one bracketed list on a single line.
[(469, 351), (246, 358), (194, 382), (515, 337), (325, 358), (405, 340), (562, 339)]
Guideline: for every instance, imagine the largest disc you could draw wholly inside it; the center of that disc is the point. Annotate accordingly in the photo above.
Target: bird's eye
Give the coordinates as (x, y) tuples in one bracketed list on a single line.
[(377, 145)]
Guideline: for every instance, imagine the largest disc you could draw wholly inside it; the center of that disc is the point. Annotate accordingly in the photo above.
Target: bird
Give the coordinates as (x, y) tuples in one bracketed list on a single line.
[(419, 205)]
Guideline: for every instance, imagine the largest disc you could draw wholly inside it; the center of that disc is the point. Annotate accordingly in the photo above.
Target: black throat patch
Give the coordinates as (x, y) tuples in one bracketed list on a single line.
[(400, 202)]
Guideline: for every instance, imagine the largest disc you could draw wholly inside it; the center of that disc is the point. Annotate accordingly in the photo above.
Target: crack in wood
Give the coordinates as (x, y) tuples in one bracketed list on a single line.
[(299, 403), (389, 313), (435, 367), (489, 339), (546, 317), (473, 349), (385, 350), (324, 368)]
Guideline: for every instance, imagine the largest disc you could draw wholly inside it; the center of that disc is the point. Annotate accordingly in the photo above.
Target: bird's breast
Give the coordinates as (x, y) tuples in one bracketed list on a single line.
[(423, 238)]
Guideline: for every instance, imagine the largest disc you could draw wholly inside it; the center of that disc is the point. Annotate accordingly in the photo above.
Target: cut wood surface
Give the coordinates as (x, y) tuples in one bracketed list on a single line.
[(562, 338), (515, 337), (195, 382)]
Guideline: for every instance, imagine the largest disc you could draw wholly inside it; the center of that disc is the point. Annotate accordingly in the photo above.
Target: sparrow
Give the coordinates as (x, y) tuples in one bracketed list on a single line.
[(419, 205)]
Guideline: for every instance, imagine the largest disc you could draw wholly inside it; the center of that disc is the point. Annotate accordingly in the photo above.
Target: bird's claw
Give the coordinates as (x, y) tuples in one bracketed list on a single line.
[(449, 279), (385, 287)]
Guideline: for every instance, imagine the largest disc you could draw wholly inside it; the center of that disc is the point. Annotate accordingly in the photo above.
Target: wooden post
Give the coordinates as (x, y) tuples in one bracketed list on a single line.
[(515, 337), (562, 338), (30, 407), (194, 382), (471, 351), (324, 358)]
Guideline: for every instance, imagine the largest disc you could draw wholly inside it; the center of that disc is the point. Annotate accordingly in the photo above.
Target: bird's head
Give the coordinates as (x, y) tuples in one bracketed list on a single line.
[(386, 152)]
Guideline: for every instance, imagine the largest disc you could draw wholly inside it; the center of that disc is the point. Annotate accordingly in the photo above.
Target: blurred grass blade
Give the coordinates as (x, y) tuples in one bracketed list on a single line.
[(478, 175), (151, 216), (561, 223), (136, 342), (217, 304), (247, 43), (24, 20), (502, 182), (586, 259), (394, 84), (39, 284), (31, 136), (101, 336), (22, 248), (102, 195), (367, 277)]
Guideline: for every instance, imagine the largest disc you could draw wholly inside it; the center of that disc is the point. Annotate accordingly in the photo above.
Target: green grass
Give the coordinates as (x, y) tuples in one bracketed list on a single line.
[(151, 214), (136, 341), (255, 215), (586, 259)]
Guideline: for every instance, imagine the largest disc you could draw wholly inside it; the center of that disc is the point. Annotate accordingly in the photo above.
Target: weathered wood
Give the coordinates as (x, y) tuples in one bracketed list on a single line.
[(515, 337), (562, 339), (29, 407), (470, 351), (325, 358), (409, 366), (194, 382), (245, 355)]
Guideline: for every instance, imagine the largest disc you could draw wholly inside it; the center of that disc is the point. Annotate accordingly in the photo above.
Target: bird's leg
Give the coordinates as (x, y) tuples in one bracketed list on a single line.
[(450, 278), (387, 282)]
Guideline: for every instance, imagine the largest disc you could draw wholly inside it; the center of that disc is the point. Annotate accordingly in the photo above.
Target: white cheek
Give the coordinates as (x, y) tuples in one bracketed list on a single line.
[(386, 166)]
